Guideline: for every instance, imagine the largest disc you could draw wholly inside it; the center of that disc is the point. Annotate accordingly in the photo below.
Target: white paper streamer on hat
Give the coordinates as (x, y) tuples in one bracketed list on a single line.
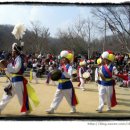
[(19, 31), (64, 53), (14, 45)]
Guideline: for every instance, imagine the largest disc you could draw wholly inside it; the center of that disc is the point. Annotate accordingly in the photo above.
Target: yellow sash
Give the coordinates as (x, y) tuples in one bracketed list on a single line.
[(14, 75), (31, 75), (31, 93), (63, 80), (108, 79)]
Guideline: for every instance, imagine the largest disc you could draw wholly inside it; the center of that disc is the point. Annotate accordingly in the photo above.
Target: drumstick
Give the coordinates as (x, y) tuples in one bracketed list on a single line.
[(6, 75)]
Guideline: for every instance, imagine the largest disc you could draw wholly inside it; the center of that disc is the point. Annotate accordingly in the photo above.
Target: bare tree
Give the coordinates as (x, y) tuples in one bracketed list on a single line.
[(117, 19), (44, 44), (40, 37), (84, 28), (35, 27), (78, 36)]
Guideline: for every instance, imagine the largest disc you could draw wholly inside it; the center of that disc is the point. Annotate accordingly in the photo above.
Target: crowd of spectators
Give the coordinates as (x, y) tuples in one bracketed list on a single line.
[(46, 63)]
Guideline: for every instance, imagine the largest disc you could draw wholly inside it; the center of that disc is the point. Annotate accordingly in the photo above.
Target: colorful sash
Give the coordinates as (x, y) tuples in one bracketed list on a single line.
[(113, 97), (29, 93), (26, 106), (108, 71), (74, 100), (31, 75)]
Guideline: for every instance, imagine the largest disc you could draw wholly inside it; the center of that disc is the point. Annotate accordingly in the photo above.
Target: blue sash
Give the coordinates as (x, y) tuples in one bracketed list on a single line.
[(107, 76), (67, 84)]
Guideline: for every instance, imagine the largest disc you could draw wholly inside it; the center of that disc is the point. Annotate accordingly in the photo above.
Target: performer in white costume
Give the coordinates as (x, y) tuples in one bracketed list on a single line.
[(81, 70), (16, 69), (65, 87), (19, 85), (106, 87)]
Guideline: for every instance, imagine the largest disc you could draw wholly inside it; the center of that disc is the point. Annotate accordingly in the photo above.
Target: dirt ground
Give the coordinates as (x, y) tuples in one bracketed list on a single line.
[(88, 102)]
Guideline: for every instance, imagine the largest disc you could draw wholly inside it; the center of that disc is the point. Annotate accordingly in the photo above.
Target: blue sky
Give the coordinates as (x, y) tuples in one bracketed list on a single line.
[(51, 16)]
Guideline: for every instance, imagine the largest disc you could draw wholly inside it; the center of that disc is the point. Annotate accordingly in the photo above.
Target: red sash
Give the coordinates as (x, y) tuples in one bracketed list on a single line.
[(113, 98), (25, 105), (64, 67), (108, 71)]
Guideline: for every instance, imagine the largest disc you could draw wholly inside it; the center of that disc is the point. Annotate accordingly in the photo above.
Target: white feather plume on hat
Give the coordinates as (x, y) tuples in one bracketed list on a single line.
[(19, 31)]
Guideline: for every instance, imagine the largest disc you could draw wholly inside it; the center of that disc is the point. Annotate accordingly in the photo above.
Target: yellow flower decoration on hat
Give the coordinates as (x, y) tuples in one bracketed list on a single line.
[(99, 61), (70, 57), (67, 54), (111, 57)]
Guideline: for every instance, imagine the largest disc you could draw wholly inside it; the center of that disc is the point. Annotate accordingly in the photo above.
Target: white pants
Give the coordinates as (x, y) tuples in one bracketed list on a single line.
[(35, 77), (82, 83), (17, 88), (105, 92), (67, 93)]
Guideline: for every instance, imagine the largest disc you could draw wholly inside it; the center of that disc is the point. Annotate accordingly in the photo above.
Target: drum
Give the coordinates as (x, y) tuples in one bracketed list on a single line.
[(86, 75), (74, 73), (3, 64), (55, 75)]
